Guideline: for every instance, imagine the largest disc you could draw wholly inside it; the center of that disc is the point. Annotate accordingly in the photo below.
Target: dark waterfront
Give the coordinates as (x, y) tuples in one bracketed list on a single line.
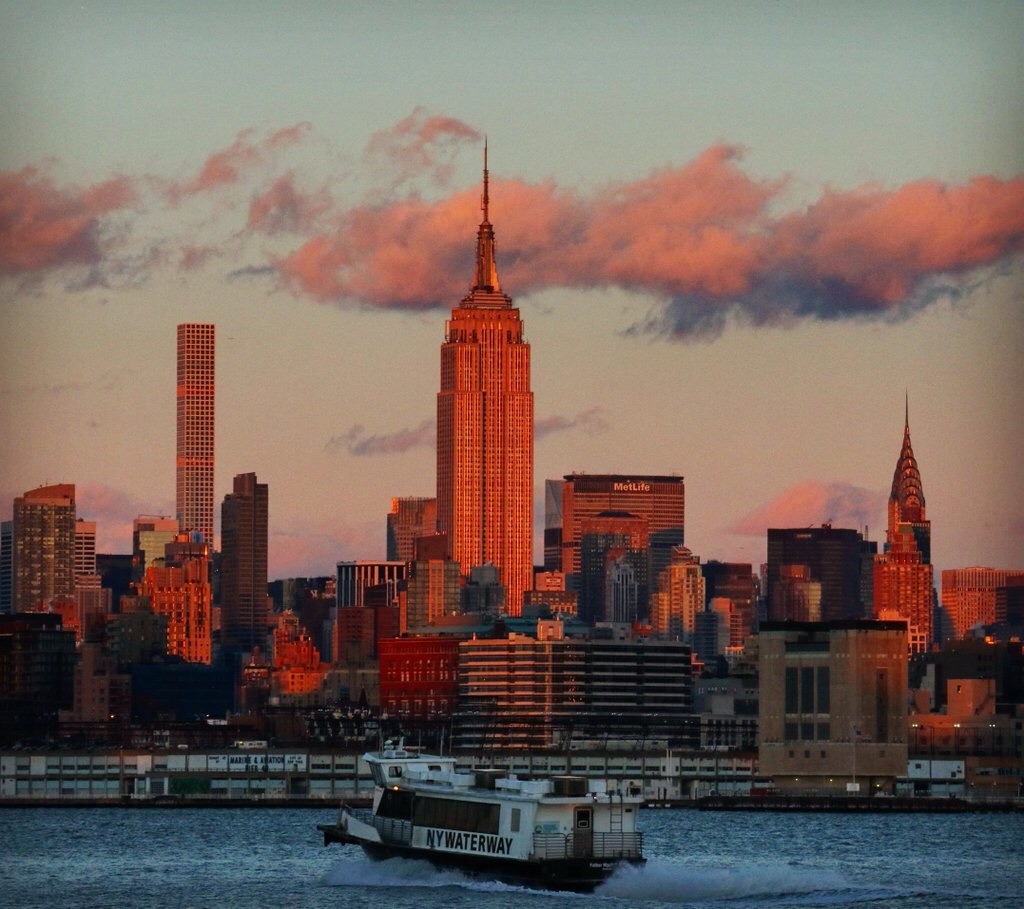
[(229, 858)]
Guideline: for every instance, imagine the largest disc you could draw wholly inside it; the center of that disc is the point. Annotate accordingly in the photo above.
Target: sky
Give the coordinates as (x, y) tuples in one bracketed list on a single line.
[(741, 235)]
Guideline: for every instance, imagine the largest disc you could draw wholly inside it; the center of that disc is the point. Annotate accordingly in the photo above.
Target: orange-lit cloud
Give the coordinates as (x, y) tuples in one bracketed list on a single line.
[(226, 166), (358, 443), (706, 242), (44, 226), (420, 144), (810, 503), (284, 208)]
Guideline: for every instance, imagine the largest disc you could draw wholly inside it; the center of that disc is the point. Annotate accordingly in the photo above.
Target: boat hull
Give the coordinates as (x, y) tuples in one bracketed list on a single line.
[(577, 875)]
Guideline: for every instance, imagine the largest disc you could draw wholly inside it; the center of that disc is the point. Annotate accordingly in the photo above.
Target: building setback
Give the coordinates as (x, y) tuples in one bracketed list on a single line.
[(485, 429)]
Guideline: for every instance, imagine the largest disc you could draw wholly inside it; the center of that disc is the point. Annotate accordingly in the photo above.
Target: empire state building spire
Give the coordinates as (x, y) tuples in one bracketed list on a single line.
[(486, 280)]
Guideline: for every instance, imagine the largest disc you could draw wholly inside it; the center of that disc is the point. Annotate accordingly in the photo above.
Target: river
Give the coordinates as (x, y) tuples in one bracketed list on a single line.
[(263, 857)]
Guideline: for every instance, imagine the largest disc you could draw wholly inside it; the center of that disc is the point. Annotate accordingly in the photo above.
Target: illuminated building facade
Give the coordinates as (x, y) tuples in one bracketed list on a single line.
[(195, 412), (679, 598), (355, 578), (43, 546), (658, 500), (833, 705), (150, 536), (243, 570), (409, 519), (903, 575), (485, 429), (971, 596), (178, 587)]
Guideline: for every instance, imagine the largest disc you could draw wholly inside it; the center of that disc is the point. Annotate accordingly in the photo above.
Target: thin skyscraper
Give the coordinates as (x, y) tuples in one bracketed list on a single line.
[(485, 429), (195, 411)]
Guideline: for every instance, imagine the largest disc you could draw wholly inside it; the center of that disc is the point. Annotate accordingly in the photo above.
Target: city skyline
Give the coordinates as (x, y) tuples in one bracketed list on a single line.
[(736, 240)]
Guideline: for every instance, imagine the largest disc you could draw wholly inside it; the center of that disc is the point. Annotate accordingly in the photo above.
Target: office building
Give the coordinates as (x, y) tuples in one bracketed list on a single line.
[(679, 599), (195, 437), (736, 582), (903, 575), (243, 572), (409, 519), (355, 578), (485, 429), (548, 691), (578, 498), (841, 560), (970, 596), (43, 537)]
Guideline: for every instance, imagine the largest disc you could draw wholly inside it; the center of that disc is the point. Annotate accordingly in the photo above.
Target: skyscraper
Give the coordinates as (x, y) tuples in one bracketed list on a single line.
[(485, 428), (840, 559), (903, 574), (195, 409), (44, 546), (410, 517), (243, 569)]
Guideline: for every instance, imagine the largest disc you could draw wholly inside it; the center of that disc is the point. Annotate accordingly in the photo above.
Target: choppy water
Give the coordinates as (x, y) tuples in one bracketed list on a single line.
[(258, 857)]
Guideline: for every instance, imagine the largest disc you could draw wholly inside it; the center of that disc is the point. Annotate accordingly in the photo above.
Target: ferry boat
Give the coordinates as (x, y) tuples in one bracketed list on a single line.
[(556, 833)]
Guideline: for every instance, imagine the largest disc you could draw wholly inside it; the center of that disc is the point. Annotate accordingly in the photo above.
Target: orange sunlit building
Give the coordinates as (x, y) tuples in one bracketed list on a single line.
[(903, 574), (485, 429), (195, 428), (180, 590), (970, 596)]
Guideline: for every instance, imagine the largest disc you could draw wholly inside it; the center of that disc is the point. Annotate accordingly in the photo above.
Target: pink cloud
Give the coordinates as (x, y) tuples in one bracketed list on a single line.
[(703, 238), (114, 512), (284, 208), (420, 144), (226, 166), (811, 502), (316, 551), (45, 226)]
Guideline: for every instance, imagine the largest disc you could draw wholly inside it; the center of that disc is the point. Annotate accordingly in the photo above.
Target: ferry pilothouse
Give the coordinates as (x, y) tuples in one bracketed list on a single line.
[(559, 832)]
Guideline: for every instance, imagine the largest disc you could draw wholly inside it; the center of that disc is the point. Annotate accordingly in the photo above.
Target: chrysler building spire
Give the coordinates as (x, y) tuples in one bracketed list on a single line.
[(907, 492)]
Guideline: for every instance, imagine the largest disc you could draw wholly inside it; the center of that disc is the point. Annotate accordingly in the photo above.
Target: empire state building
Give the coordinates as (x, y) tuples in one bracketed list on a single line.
[(485, 429)]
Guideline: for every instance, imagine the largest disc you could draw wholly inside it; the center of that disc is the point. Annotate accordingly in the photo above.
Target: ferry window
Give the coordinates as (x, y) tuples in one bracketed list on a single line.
[(473, 817), (514, 820), (582, 819)]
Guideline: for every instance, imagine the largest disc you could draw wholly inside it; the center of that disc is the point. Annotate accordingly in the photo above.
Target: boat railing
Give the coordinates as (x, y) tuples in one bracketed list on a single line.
[(391, 829), (589, 845)]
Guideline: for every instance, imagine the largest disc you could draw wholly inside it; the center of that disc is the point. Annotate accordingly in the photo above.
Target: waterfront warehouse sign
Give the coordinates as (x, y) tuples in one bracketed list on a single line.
[(461, 841), (631, 486)]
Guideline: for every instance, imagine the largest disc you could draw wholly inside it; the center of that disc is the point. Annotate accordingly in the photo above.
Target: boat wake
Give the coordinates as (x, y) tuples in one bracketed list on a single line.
[(739, 886)]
